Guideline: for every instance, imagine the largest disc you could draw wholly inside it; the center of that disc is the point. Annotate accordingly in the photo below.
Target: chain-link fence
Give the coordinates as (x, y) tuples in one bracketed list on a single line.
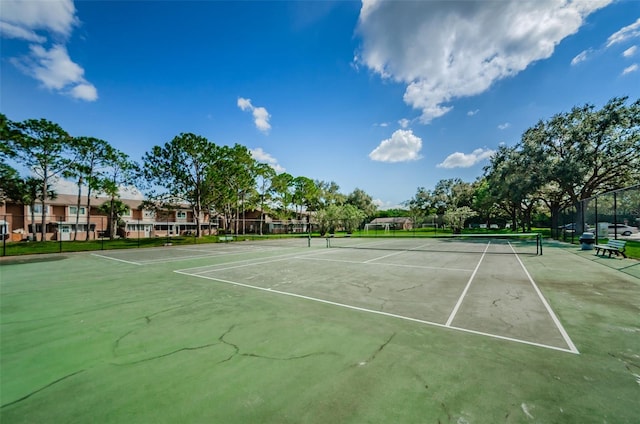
[(22, 234), (615, 214)]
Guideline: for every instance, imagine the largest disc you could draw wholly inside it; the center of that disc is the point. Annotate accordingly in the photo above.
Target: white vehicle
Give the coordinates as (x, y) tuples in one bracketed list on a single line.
[(621, 229)]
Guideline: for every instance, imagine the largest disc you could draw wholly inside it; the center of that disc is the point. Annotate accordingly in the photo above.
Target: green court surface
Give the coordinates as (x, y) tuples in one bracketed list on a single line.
[(383, 331)]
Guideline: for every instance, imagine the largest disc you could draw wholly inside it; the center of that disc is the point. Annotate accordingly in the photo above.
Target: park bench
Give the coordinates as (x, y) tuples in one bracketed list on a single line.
[(225, 238), (612, 246)]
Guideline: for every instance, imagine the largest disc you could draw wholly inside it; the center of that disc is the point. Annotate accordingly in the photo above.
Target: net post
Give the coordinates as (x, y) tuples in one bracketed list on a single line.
[(539, 242)]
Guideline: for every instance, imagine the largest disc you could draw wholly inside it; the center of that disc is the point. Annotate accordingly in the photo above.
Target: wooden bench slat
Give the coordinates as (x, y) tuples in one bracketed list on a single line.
[(612, 246)]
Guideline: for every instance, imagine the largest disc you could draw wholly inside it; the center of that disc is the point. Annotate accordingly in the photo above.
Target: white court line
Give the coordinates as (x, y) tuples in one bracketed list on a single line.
[(397, 253), (184, 249), (464, 292), (385, 256), (250, 262), (212, 255), (555, 319), (222, 250), (116, 259), (372, 311), (388, 264)]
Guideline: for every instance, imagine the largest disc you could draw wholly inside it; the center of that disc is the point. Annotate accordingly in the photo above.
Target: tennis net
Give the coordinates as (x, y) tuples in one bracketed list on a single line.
[(516, 243)]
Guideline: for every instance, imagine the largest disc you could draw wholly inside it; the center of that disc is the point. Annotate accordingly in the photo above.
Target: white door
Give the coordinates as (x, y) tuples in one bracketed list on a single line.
[(65, 232)]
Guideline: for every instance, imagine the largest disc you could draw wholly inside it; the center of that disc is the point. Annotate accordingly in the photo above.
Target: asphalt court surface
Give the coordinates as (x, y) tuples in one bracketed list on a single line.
[(484, 288), (148, 256)]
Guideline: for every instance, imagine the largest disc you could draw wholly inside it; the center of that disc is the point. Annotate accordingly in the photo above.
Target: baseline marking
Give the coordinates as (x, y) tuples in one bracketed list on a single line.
[(388, 314), (555, 319), (464, 292), (395, 254)]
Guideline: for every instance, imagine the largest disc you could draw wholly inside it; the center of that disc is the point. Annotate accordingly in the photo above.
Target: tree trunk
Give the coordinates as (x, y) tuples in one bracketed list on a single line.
[(43, 228), (75, 231), (88, 211), (554, 207), (33, 221), (579, 218), (261, 212), (112, 227)]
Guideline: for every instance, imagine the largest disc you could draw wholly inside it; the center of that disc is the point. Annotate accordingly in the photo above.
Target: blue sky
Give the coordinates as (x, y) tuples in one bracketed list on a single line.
[(381, 96)]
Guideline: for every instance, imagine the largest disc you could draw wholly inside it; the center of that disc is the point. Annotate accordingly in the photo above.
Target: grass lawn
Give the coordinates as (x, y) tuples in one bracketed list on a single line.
[(84, 339)]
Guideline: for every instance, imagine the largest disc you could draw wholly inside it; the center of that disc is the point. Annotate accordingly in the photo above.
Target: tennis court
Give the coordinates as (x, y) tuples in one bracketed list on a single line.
[(323, 330), (478, 286)]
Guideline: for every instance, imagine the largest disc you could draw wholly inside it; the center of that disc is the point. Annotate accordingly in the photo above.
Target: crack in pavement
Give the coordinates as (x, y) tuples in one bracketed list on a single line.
[(373, 356), (235, 347), (117, 342), (27, 396), (166, 354), (409, 288), (221, 340), (361, 286), (628, 363), (148, 317), (288, 358)]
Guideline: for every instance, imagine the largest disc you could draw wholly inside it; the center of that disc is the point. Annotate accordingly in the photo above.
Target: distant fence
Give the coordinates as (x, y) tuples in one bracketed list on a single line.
[(607, 215), (19, 232)]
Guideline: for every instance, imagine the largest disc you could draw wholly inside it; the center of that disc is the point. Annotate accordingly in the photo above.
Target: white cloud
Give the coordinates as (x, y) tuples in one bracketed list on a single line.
[(403, 146), (62, 186), (580, 57), (404, 122), (264, 157), (244, 104), (8, 30), (383, 206), (448, 50), (57, 16), (260, 115), (84, 91), (463, 160), (626, 33), (56, 71), (473, 112), (504, 126), (52, 67), (630, 51), (629, 69), (261, 119)]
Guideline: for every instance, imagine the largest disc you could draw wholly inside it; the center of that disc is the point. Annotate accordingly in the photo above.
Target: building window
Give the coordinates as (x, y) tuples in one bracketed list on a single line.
[(149, 214), (37, 209), (181, 214), (126, 213), (73, 210)]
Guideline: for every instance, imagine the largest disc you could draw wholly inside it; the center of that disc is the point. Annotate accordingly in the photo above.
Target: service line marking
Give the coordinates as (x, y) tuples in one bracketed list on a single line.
[(372, 311), (388, 264), (464, 292)]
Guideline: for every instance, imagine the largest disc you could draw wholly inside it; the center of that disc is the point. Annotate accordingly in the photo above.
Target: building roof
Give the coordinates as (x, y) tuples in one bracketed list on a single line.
[(391, 220)]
